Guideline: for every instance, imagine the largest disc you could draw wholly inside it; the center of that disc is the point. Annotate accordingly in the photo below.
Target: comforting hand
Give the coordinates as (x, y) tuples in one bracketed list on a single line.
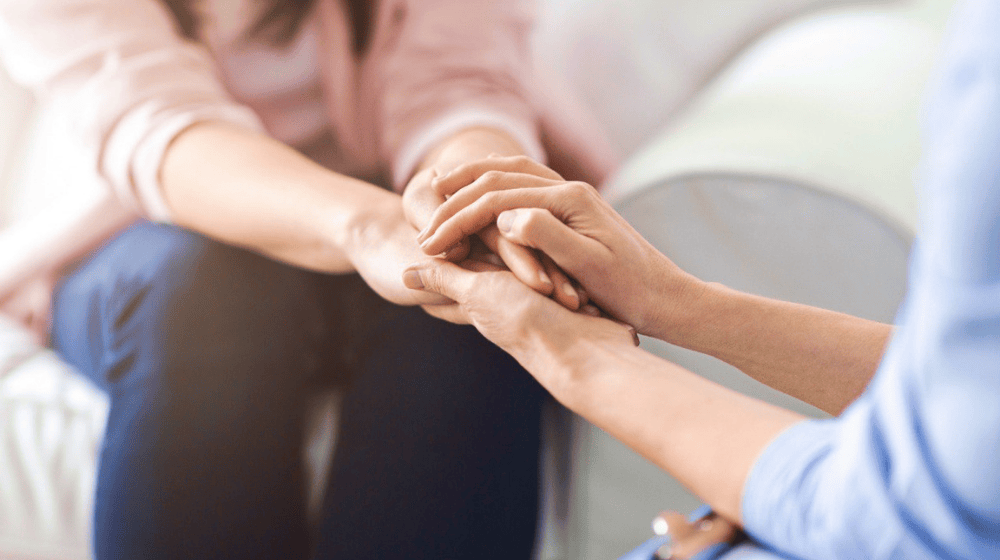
[(570, 223), (421, 199), (385, 246), (509, 313)]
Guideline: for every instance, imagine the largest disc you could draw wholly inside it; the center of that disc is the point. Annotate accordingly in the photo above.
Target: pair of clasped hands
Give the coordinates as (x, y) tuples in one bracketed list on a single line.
[(515, 248), (529, 258)]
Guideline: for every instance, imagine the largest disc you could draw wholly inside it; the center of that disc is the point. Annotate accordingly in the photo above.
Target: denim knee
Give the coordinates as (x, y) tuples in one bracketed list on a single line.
[(204, 349), (160, 294)]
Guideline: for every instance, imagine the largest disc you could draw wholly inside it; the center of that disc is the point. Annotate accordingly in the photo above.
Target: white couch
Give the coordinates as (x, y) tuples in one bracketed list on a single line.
[(789, 174)]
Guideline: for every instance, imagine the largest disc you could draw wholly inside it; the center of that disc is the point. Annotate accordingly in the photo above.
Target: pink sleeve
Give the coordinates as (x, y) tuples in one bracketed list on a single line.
[(450, 65), (130, 82)]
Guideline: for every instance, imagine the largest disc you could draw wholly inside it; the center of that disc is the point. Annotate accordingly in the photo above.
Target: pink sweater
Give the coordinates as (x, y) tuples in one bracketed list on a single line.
[(131, 84)]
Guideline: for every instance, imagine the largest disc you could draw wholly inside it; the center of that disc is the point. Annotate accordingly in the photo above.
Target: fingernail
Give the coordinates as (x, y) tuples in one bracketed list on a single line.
[(506, 220), (440, 178), (412, 280), (570, 291), (635, 335), (451, 252), (493, 155), (422, 236), (544, 278), (660, 526), (665, 552)]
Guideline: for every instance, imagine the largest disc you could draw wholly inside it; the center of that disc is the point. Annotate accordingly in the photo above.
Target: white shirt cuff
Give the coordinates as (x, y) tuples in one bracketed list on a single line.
[(148, 157)]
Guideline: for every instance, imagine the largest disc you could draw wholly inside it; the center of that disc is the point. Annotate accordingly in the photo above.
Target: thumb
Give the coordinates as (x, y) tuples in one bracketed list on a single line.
[(539, 229), (440, 277)]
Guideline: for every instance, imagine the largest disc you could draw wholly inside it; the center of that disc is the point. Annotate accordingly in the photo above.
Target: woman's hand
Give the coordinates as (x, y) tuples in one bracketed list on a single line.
[(383, 244), (421, 199), (570, 223), (31, 305), (510, 314)]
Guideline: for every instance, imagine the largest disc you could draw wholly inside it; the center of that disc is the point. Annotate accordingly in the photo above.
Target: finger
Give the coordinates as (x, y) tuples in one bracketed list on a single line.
[(564, 292), (539, 229), (483, 254), (520, 260), (423, 297), (450, 183), (566, 202), (707, 532), (420, 201), (674, 524), (458, 252), (632, 330), (453, 313), (492, 181), (451, 223), (582, 292), (482, 266), (487, 257), (439, 277), (591, 310)]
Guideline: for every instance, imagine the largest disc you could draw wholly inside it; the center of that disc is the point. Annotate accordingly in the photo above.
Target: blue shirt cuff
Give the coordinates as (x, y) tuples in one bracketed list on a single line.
[(778, 475)]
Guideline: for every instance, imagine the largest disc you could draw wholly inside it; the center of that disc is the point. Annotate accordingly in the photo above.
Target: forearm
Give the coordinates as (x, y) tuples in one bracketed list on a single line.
[(819, 356), (469, 145), (249, 190), (705, 435)]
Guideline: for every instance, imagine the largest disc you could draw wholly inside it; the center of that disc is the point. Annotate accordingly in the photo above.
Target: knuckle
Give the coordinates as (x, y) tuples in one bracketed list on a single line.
[(529, 222), (429, 277), (580, 189), (571, 190), (492, 176), (489, 199), (523, 161)]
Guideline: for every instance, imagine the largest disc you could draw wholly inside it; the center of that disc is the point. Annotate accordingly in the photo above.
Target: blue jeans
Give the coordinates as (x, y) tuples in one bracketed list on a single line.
[(210, 353)]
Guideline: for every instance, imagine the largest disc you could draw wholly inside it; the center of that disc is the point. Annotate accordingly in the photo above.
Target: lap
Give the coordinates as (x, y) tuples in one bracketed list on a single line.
[(210, 353), (167, 293)]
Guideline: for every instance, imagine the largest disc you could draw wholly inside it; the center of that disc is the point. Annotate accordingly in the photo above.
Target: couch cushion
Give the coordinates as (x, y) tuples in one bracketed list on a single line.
[(51, 425)]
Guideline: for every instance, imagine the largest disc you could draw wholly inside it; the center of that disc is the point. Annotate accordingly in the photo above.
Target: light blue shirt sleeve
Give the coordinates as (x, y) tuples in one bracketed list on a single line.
[(912, 469)]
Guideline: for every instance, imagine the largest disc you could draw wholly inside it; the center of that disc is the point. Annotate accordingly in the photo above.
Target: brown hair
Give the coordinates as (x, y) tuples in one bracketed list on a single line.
[(280, 20)]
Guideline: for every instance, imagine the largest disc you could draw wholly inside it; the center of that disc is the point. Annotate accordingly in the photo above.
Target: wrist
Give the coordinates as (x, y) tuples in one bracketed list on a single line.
[(365, 223), (471, 144), (679, 306), (568, 358)]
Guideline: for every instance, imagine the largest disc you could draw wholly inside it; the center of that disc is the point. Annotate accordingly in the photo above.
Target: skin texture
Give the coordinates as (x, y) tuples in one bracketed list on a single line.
[(421, 199), (705, 435), (819, 356), (262, 195)]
